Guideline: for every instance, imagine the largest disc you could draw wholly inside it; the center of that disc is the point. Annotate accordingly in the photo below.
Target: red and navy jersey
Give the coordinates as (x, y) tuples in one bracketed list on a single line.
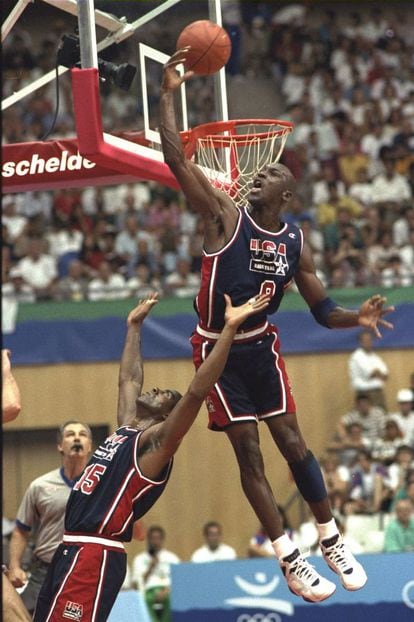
[(112, 492), (254, 260)]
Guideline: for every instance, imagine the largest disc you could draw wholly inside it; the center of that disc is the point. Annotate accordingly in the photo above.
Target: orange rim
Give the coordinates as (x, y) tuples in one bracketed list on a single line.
[(213, 131)]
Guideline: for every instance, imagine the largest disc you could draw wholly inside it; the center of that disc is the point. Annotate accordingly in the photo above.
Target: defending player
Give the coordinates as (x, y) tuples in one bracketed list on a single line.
[(248, 250), (125, 476)]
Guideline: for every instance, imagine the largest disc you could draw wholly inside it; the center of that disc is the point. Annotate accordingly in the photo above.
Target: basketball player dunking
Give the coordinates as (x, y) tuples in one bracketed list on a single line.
[(250, 250), (125, 476)]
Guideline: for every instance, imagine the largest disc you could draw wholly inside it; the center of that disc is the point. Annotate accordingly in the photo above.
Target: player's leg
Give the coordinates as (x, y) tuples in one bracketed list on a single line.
[(303, 465), (13, 608), (276, 406), (244, 438), (82, 582), (231, 408), (302, 579), (308, 478)]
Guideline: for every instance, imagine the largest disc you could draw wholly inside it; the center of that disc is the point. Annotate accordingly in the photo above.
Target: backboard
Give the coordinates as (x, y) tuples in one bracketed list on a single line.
[(109, 156)]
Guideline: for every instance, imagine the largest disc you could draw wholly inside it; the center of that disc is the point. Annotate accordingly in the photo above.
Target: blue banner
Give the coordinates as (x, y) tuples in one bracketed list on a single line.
[(129, 605), (167, 337), (255, 591)]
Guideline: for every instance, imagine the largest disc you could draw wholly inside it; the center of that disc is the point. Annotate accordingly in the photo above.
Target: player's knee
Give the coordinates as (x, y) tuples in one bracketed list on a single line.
[(292, 446), (295, 450), (250, 458)]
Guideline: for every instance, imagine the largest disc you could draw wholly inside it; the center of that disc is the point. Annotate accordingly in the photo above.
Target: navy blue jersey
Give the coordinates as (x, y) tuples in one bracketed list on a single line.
[(253, 261), (112, 492)]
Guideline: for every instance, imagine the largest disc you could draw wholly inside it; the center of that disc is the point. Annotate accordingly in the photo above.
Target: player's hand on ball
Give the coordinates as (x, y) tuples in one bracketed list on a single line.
[(137, 315), (171, 78), (371, 312), (235, 316)]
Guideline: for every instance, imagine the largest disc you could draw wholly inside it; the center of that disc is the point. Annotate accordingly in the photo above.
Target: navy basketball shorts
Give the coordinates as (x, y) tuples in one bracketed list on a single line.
[(82, 583), (254, 385)]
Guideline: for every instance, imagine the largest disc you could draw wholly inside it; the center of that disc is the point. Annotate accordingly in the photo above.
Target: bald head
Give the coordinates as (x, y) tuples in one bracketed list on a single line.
[(273, 187)]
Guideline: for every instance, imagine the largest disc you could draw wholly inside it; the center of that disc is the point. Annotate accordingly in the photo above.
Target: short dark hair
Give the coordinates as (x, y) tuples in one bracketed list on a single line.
[(177, 396), (405, 448), (59, 434), (362, 396), (363, 332), (209, 525), (156, 529)]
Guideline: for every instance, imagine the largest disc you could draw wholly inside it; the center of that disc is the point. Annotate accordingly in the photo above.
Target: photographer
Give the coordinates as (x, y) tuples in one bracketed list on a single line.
[(151, 574)]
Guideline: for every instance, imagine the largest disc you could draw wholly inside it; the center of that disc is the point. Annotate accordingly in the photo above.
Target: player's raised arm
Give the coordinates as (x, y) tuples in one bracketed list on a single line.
[(131, 370), (167, 436), (327, 312), (211, 203)]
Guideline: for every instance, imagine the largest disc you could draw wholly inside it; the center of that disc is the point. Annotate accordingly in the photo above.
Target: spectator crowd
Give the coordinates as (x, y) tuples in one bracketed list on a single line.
[(346, 80)]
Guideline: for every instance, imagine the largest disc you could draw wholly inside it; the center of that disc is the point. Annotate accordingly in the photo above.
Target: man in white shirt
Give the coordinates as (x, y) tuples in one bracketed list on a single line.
[(127, 239), (390, 186), (372, 141), (151, 574), (361, 189), (405, 416), (213, 550), (107, 285), (367, 371), (371, 419), (15, 223), (39, 269), (183, 283)]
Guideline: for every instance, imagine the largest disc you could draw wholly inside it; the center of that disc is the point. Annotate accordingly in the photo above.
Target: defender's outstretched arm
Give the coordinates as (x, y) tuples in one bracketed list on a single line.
[(131, 370)]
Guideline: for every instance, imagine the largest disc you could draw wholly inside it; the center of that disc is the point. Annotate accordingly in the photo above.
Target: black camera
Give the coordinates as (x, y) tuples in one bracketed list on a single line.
[(69, 56)]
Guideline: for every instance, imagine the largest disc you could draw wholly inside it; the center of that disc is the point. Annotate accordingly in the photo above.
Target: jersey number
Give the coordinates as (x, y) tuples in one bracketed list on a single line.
[(267, 288), (90, 478)]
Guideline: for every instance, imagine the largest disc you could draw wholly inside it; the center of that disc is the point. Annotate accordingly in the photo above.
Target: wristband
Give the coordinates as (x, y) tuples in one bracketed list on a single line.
[(322, 309)]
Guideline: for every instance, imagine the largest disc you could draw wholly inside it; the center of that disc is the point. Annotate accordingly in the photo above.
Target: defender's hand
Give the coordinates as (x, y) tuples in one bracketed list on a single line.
[(371, 312), (172, 79), (142, 309), (234, 316)]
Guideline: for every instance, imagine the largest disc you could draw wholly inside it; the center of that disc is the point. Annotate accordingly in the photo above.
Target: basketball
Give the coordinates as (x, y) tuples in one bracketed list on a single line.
[(210, 47)]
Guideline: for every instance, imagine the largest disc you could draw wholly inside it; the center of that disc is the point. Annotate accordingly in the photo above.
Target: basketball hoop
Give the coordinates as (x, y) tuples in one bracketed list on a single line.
[(233, 152)]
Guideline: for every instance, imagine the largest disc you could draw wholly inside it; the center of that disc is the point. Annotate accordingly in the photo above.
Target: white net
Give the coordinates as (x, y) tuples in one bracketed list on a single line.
[(232, 160)]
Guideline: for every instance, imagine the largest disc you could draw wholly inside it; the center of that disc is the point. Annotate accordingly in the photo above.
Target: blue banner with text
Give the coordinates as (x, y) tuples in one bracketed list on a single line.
[(255, 591)]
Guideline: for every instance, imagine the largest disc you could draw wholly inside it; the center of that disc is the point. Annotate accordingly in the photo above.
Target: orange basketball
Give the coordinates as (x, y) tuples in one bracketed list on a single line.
[(210, 47)]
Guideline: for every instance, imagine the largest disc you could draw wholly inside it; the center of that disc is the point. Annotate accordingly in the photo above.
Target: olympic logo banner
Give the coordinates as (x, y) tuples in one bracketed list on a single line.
[(255, 591)]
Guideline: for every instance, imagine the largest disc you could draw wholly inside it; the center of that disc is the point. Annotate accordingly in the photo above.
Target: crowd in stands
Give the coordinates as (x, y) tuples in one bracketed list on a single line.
[(347, 81), (369, 464)]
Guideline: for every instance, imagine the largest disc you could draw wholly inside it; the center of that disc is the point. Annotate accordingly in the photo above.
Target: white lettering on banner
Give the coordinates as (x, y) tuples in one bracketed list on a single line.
[(52, 165), (259, 598), (38, 166), (259, 617), (22, 168)]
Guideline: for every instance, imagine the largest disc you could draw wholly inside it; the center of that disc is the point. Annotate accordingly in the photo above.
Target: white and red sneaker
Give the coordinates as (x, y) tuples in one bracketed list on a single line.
[(340, 559), (303, 580)]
